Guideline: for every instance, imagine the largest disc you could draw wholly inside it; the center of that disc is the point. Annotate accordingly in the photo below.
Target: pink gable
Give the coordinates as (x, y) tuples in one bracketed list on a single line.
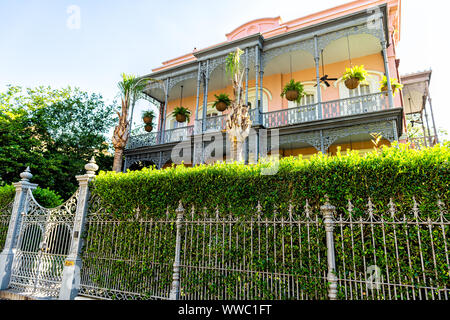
[(252, 27)]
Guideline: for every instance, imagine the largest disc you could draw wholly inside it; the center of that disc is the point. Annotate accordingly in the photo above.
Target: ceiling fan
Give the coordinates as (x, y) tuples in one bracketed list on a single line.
[(325, 78)]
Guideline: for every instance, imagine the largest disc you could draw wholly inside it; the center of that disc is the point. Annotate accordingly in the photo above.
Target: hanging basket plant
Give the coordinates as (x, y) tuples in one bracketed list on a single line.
[(147, 116), (222, 102), (149, 127), (181, 114), (294, 91), (396, 86), (354, 76)]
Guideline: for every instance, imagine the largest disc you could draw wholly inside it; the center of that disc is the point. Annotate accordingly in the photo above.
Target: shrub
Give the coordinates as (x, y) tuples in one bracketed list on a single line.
[(45, 197), (399, 173)]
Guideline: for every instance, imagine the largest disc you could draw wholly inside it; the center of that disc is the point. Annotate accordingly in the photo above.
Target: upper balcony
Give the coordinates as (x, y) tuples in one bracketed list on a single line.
[(334, 109), (271, 58)]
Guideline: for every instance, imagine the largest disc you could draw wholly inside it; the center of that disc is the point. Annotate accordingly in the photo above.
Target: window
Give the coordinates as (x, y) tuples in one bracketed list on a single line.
[(362, 90), (308, 98), (252, 98)]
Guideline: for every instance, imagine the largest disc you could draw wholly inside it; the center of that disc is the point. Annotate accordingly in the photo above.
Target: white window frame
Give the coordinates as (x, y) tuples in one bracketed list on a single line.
[(267, 96)]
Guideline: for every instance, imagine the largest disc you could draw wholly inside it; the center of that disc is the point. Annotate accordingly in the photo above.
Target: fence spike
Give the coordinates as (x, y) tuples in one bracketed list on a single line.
[(307, 209), (291, 207), (392, 208), (350, 207), (370, 207), (415, 208)]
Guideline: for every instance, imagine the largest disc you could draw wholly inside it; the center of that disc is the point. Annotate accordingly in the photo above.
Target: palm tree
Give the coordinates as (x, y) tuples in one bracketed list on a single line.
[(238, 121), (131, 89)]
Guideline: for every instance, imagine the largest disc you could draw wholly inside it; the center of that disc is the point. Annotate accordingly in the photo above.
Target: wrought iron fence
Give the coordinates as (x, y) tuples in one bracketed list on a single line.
[(393, 254), (126, 259), (276, 256), (302, 254), (5, 216)]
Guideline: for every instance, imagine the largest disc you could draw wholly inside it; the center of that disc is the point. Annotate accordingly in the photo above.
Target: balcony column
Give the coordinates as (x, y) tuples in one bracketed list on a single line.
[(247, 69), (205, 95), (160, 116), (317, 64), (199, 80), (256, 81), (432, 114), (246, 103), (198, 125), (166, 99), (257, 117), (428, 134), (423, 129), (386, 64), (261, 74), (394, 127)]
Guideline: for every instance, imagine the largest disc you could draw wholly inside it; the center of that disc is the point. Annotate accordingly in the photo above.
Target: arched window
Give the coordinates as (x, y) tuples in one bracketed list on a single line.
[(267, 96)]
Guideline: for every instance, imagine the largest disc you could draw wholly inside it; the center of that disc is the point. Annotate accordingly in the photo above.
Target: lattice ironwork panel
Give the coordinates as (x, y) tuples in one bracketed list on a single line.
[(42, 247)]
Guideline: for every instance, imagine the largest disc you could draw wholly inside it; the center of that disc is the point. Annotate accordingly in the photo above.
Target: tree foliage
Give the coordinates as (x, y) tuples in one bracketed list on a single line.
[(55, 132)]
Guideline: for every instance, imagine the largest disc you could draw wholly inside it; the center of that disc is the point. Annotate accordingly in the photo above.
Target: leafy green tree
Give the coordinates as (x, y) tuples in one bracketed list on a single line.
[(55, 132)]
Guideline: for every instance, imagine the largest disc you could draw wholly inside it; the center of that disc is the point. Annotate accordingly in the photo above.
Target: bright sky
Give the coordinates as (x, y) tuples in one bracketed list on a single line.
[(40, 46)]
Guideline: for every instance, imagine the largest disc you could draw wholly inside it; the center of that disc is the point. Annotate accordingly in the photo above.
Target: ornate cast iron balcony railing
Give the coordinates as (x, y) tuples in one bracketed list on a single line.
[(215, 124), (330, 109), (280, 118), (178, 134)]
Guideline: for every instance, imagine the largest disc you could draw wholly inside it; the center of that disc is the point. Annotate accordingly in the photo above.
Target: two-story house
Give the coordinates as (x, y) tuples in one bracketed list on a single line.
[(362, 32)]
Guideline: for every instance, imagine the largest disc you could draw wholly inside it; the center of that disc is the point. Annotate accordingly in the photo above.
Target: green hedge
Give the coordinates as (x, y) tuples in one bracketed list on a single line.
[(399, 173), (45, 197)]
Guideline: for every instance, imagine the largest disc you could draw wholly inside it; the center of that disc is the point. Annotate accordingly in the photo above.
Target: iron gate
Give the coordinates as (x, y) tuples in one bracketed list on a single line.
[(43, 244)]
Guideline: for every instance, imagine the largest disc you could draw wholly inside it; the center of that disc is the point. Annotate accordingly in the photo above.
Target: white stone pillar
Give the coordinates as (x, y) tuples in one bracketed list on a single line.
[(7, 255), (72, 266)]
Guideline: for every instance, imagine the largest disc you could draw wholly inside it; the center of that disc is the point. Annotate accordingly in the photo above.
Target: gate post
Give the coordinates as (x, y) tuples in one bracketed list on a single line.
[(72, 266), (327, 212), (20, 199), (175, 290)]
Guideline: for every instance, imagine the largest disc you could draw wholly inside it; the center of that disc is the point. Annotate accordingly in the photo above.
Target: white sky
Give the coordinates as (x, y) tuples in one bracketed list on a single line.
[(115, 36)]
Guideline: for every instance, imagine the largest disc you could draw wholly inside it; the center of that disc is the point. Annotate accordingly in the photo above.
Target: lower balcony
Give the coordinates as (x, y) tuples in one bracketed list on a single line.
[(335, 109)]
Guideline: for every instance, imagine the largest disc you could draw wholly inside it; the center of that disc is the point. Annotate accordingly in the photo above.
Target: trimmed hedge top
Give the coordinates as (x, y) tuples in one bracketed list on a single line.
[(399, 173)]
